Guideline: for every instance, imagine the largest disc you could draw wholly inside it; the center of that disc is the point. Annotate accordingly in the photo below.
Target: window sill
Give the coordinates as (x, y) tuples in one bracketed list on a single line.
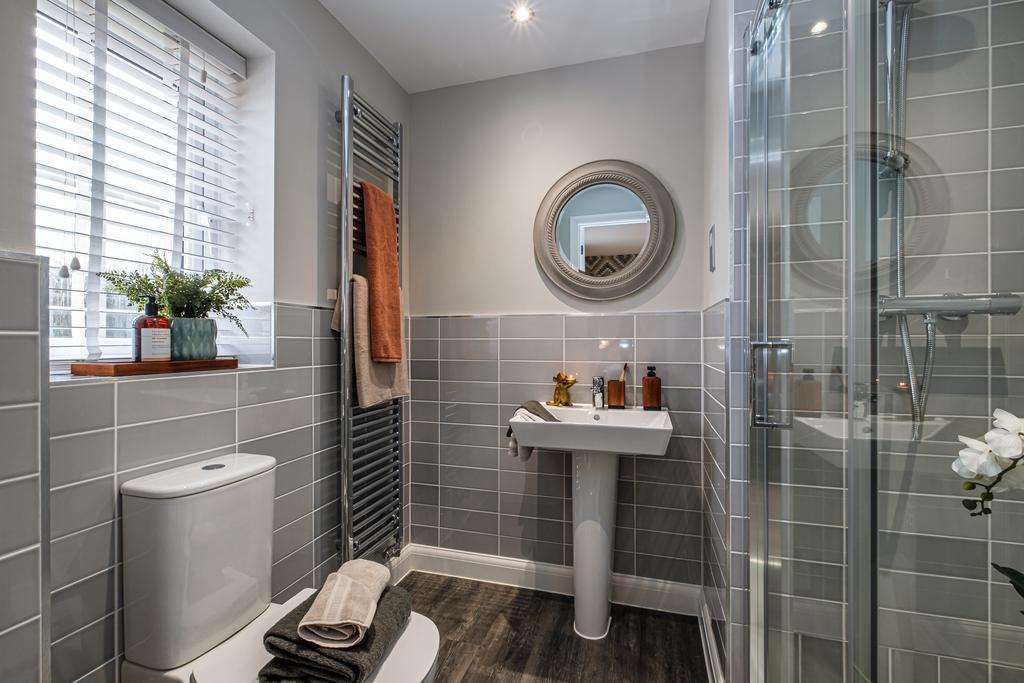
[(65, 377)]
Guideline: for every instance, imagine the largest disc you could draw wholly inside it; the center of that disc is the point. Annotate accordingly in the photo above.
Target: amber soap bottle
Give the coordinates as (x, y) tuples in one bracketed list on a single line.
[(152, 340), (652, 390)]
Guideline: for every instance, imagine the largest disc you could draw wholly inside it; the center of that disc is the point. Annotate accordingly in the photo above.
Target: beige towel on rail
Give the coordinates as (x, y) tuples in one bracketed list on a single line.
[(343, 609), (375, 382)]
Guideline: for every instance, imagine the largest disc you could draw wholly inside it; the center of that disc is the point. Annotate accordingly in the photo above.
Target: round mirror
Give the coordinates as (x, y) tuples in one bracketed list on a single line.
[(604, 230)]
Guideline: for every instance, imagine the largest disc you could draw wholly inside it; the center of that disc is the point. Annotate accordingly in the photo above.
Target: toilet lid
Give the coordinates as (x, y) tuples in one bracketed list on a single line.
[(240, 658)]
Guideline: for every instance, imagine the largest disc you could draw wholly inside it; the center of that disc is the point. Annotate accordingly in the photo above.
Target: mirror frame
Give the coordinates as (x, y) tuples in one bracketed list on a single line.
[(648, 263)]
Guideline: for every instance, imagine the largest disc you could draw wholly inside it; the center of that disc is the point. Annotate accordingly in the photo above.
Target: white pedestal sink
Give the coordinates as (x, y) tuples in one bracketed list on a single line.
[(596, 439)]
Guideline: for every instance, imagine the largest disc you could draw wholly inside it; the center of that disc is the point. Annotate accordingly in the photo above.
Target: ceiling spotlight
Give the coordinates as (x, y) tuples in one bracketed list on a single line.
[(522, 14), (819, 27)]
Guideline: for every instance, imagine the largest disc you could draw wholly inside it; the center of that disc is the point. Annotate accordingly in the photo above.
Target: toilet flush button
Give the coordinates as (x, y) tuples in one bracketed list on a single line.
[(215, 466)]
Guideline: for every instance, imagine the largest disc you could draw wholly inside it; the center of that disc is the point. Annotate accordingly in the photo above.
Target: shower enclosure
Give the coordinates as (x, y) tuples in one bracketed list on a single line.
[(885, 256)]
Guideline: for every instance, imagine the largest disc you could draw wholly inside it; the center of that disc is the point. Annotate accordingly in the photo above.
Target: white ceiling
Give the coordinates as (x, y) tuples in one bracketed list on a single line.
[(428, 44)]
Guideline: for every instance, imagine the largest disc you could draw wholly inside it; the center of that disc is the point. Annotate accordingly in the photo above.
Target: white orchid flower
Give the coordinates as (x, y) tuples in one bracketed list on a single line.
[(977, 461), (1008, 421), (1006, 445)]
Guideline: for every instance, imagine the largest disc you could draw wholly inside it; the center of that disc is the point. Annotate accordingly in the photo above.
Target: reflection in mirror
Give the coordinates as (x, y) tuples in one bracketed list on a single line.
[(602, 229)]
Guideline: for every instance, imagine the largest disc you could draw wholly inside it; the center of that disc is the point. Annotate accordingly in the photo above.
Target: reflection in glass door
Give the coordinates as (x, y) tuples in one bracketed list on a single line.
[(886, 208), (798, 350)]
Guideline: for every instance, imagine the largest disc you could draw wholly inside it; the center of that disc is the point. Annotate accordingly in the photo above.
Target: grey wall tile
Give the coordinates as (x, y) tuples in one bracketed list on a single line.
[(425, 328), (19, 306), (1008, 23), (469, 370), (292, 506), (80, 506), (81, 407), (81, 456), (1008, 64), (20, 529), (469, 328), (262, 420), (19, 576), (531, 326), (20, 355), (79, 555), (83, 603), (20, 429), (619, 350), (273, 385), (293, 321), (469, 349), (148, 443), (468, 541), (19, 654), (142, 401), (950, 33), (293, 352), (83, 651), (668, 325), (599, 326), (285, 446), (292, 569), (293, 536), (531, 349), (327, 351)]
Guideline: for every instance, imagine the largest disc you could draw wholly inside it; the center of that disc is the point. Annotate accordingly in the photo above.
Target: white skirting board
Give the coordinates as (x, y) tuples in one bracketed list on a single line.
[(636, 591)]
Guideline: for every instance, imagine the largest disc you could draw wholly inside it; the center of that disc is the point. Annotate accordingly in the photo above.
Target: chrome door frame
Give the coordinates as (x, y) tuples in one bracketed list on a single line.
[(757, 208)]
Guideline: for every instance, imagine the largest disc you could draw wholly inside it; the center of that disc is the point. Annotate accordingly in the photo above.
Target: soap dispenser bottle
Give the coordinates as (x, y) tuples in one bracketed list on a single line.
[(152, 338), (652, 390)]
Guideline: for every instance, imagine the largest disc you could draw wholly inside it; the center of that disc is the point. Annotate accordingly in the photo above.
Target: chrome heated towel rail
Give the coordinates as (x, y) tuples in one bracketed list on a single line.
[(371, 439)]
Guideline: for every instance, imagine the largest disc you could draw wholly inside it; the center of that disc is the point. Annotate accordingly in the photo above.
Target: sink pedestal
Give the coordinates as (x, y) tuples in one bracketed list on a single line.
[(595, 478)]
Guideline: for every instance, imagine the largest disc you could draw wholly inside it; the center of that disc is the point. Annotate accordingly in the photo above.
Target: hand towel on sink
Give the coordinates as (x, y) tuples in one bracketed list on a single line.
[(382, 274), (531, 411), (344, 607)]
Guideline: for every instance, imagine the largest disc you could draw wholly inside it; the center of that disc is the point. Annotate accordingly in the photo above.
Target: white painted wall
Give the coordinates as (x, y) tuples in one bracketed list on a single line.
[(17, 126), (311, 53), (717, 155), (484, 155)]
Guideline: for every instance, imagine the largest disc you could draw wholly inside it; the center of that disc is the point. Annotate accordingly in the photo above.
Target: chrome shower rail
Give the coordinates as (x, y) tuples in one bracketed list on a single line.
[(371, 438)]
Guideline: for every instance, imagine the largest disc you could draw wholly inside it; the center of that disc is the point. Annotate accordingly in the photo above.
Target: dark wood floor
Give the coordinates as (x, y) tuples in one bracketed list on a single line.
[(499, 633)]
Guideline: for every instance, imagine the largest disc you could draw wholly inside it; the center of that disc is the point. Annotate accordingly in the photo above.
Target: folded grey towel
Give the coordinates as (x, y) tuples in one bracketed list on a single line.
[(344, 607), (538, 409), (297, 660)]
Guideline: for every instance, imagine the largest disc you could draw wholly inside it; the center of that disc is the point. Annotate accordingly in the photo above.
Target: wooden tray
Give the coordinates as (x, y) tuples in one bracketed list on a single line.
[(127, 368)]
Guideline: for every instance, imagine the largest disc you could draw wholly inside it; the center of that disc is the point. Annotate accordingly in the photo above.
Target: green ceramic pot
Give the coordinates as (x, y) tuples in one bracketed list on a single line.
[(193, 339)]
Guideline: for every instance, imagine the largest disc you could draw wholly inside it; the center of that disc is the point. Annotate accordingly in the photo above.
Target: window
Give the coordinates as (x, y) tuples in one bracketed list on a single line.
[(136, 151)]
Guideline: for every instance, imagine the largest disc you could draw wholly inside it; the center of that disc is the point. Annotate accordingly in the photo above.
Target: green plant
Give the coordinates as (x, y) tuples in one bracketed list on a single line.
[(183, 295)]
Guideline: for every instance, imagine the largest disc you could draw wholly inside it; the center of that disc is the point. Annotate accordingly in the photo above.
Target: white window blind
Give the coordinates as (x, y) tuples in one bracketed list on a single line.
[(136, 151)]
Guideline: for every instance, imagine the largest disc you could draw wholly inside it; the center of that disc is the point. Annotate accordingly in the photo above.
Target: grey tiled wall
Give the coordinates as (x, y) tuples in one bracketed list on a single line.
[(107, 432), (715, 480), (24, 605), (943, 613), (938, 595), (467, 493)]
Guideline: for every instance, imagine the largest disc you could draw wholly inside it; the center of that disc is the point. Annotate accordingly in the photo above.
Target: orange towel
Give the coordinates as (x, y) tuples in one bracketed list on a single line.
[(382, 275)]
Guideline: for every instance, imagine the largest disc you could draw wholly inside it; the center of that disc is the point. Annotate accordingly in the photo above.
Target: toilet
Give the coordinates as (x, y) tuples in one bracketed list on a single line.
[(197, 559)]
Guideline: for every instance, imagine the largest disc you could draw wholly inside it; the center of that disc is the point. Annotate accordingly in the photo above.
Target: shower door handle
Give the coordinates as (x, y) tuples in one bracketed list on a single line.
[(771, 372)]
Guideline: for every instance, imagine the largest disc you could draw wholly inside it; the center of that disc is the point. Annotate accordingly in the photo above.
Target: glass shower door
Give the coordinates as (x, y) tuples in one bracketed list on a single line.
[(797, 355)]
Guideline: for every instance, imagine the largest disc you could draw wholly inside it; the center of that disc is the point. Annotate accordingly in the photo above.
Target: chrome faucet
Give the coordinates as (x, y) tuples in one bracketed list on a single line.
[(597, 392)]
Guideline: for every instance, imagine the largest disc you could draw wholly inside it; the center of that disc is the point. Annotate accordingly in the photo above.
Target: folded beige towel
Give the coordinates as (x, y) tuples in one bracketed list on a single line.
[(375, 382), (344, 607)]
